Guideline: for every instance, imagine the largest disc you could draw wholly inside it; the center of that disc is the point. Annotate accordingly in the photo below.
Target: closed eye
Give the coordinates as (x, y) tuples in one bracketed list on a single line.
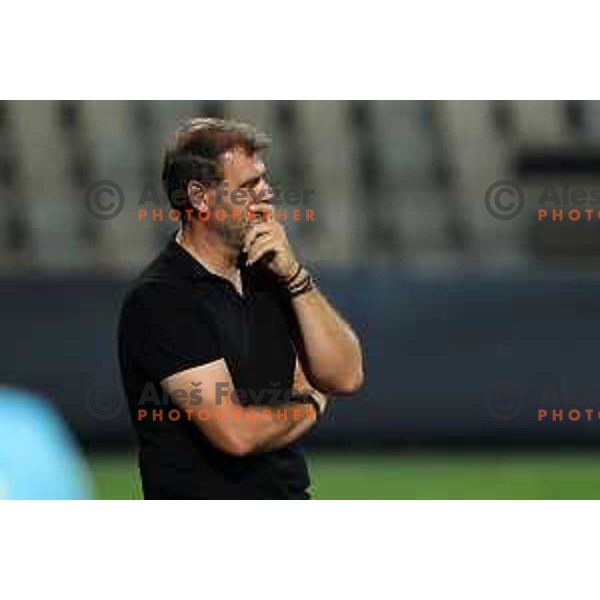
[(251, 182)]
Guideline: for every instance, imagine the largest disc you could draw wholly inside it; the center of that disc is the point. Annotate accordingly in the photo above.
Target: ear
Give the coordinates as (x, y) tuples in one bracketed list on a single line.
[(196, 192)]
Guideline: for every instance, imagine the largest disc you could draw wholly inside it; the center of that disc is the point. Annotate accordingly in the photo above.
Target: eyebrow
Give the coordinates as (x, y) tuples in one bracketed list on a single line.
[(252, 181)]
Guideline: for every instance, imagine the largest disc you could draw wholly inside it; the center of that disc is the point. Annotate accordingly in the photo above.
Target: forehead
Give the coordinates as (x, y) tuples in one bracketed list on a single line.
[(238, 163)]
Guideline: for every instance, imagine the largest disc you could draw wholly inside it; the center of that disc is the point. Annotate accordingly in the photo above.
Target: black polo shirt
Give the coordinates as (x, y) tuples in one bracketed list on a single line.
[(178, 315)]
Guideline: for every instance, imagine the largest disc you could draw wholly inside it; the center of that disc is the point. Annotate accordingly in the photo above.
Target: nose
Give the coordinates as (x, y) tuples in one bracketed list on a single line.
[(265, 191)]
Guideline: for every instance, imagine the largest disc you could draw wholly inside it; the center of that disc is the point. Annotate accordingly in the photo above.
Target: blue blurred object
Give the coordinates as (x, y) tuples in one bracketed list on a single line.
[(39, 459)]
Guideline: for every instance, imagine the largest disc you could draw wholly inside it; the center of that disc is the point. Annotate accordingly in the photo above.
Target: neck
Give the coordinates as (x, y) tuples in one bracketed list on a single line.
[(208, 248)]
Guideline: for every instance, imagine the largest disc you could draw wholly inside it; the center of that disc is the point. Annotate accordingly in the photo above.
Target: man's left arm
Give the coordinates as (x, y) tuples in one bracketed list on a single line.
[(331, 353)]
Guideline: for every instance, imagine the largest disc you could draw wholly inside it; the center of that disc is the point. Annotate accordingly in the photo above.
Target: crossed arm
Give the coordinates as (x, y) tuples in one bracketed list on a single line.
[(236, 429)]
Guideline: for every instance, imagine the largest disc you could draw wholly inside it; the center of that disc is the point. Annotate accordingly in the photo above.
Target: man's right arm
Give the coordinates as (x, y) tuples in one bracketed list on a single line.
[(235, 429)]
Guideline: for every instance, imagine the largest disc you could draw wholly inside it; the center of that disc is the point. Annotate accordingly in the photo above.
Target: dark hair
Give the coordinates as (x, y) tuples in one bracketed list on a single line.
[(196, 154)]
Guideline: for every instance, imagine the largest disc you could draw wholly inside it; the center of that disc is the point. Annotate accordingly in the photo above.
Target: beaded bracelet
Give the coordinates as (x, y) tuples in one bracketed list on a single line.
[(303, 287)]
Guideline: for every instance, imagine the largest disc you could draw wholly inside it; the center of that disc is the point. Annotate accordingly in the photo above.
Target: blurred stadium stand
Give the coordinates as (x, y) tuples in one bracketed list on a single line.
[(394, 181), (399, 215)]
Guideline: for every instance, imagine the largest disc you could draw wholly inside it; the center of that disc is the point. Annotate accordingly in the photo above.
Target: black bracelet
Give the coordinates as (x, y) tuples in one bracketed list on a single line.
[(305, 286), (288, 280), (299, 285), (309, 399)]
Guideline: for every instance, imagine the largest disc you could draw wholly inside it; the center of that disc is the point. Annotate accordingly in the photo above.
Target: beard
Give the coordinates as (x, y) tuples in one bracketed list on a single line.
[(233, 231)]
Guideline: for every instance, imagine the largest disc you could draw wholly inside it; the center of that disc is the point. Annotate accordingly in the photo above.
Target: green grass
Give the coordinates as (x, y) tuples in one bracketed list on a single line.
[(116, 476), (414, 475)]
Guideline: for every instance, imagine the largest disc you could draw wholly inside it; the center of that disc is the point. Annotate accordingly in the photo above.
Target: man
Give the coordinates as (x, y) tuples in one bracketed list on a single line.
[(230, 325)]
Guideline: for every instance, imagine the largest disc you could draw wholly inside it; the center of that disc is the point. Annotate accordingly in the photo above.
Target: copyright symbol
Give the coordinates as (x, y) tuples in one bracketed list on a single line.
[(504, 199), (505, 401), (103, 402), (104, 200)]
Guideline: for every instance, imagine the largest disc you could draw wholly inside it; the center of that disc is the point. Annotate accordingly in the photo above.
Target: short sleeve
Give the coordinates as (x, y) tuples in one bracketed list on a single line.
[(165, 331)]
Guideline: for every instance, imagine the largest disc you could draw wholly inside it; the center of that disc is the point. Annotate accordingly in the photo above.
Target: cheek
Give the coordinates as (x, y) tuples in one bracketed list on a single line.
[(241, 199), (238, 217)]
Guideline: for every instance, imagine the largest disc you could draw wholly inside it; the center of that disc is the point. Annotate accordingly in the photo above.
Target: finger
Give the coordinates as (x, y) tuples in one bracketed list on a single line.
[(262, 236), (256, 231), (260, 248), (264, 209)]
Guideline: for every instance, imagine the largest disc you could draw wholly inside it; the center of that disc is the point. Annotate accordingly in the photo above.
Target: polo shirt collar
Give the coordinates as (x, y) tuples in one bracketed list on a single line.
[(185, 265)]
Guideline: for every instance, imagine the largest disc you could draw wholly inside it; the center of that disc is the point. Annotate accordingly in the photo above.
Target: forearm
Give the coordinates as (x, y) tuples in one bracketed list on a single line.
[(268, 428), (231, 426), (332, 355), (294, 434)]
